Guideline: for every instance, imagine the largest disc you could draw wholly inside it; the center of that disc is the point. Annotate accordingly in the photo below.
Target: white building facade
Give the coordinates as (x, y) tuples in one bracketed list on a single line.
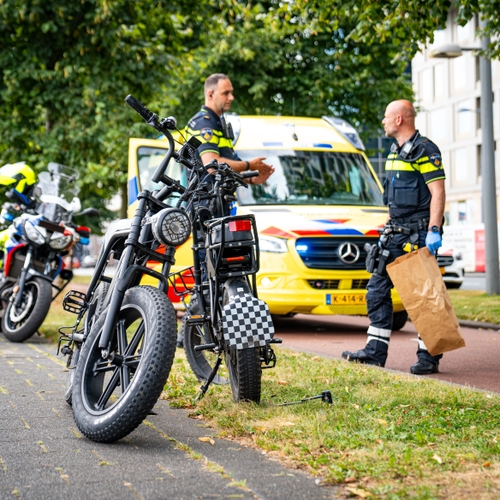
[(448, 93)]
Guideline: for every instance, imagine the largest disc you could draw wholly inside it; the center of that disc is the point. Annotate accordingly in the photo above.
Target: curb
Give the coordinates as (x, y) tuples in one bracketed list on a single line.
[(478, 325)]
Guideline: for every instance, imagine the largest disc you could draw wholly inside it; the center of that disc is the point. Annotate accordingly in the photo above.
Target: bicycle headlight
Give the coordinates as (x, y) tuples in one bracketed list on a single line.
[(33, 234), (58, 242), (171, 226)]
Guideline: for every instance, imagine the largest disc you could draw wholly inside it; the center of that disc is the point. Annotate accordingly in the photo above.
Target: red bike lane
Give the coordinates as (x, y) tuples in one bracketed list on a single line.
[(476, 365)]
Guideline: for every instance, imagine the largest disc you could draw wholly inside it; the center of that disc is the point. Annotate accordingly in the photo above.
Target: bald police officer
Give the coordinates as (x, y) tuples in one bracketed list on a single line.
[(414, 190)]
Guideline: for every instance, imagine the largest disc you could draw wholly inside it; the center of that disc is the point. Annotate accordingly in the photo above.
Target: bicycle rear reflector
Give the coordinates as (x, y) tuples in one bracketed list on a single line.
[(240, 225)]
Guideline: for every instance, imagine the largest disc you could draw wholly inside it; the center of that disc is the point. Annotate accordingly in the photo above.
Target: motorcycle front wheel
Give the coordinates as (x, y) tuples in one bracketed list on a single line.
[(20, 323), (112, 396)]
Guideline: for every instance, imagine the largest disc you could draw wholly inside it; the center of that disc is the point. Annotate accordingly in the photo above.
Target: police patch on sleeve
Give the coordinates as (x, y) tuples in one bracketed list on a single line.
[(435, 160), (206, 133)]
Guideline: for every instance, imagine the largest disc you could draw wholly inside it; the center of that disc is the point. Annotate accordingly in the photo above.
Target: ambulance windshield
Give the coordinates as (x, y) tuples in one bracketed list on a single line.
[(313, 177)]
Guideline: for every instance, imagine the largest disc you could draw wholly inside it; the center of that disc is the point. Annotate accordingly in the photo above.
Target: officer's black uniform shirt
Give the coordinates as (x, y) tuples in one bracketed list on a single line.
[(207, 127), (405, 188)]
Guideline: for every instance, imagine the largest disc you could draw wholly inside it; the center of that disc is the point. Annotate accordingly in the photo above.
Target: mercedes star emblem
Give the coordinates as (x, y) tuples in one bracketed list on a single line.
[(349, 253)]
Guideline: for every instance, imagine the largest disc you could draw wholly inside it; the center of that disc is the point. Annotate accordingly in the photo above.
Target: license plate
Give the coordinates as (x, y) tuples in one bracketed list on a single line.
[(345, 299)]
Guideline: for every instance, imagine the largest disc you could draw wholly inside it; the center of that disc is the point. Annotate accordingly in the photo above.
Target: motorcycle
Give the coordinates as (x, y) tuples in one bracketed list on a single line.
[(34, 244), (121, 348)]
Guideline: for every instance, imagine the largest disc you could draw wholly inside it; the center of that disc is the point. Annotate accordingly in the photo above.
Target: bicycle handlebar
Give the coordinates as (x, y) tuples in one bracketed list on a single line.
[(140, 108)]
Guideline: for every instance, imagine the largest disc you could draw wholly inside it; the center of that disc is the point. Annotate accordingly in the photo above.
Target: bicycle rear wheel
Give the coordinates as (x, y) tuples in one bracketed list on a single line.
[(244, 365), (201, 362)]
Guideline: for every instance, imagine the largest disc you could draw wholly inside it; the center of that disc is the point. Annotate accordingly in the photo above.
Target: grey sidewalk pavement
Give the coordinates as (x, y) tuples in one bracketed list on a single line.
[(43, 456)]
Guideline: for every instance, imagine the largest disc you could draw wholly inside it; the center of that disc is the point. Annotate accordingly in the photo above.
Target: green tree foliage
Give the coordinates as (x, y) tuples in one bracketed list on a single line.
[(408, 24), (282, 63), (65, 69)]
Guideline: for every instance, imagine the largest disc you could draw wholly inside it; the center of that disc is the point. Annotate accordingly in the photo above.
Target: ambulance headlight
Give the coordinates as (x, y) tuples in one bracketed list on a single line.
[(272, 244)]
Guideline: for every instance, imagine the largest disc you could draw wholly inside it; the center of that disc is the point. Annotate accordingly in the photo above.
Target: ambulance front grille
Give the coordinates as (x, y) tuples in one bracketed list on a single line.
[(334, 253)]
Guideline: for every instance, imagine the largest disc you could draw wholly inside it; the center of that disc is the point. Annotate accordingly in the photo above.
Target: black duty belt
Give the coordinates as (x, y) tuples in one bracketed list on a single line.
[(408, 226)]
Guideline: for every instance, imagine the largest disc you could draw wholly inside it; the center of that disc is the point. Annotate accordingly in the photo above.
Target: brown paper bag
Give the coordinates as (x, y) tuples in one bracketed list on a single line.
[(420, 285)]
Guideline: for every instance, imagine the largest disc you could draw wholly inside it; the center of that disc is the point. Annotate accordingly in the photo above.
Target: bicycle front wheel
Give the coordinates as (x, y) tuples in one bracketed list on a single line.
[(112, 396)]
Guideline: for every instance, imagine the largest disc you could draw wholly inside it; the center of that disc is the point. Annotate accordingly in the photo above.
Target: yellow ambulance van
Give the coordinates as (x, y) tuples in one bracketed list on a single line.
[(314, 214)]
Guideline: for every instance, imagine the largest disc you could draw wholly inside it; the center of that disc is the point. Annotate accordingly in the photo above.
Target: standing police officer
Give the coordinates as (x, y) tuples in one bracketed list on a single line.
[(209, 127), (415, 193)]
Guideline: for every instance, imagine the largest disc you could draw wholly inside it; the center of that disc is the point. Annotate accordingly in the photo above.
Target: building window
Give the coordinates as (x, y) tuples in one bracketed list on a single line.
[(479, 159), (438, 125), (459, 73), (426, 85), (440, 37), (461, 165), (438, 81), (421, 122), (465, 33), (462, 212), (466, 116)]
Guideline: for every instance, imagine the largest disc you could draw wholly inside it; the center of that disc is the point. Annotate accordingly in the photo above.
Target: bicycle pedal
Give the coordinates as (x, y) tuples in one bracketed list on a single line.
[(198, 319), (74, 302)]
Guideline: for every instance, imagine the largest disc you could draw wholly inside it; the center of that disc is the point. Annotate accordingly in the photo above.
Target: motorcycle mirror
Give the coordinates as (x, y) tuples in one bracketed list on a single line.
[(91, 212)]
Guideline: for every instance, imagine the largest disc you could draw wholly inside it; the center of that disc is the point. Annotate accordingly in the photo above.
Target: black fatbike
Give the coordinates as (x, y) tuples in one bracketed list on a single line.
[(121, 348)]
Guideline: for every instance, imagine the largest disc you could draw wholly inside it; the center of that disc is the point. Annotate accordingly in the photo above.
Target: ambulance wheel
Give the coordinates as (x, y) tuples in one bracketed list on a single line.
[(399, 320)]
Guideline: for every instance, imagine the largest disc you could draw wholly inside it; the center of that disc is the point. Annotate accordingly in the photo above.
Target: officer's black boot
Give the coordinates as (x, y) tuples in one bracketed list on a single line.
[(426, 363), (374, 353)]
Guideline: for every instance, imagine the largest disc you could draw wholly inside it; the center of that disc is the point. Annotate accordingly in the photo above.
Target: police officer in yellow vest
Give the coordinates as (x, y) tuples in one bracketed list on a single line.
[(209, 127), (414, 191)]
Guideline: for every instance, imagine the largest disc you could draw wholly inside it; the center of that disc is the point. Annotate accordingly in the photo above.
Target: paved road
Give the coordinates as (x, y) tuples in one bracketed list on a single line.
[(43, 456), (477, 365), (474, 281)]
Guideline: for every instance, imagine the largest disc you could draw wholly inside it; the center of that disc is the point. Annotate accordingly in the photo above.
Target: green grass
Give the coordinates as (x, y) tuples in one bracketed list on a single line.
[(386, 435), (476, 306)]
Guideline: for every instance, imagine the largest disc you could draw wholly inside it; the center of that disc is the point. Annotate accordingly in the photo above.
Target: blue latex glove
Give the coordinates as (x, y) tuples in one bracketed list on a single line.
[(433, 242)]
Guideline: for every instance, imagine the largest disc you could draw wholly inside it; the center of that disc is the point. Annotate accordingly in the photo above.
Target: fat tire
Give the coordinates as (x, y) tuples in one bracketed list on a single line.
[(36, 316), (198, 361), (145, 385), (100, 294), (70, 379), (399, 320), (244, 366), (245, 374)]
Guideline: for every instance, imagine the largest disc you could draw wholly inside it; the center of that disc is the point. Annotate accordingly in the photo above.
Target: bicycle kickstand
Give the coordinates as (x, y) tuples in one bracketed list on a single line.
[(204, 387)]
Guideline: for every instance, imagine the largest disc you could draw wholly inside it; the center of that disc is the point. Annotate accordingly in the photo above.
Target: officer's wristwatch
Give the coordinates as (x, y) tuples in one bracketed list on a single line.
[(434, 229)]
